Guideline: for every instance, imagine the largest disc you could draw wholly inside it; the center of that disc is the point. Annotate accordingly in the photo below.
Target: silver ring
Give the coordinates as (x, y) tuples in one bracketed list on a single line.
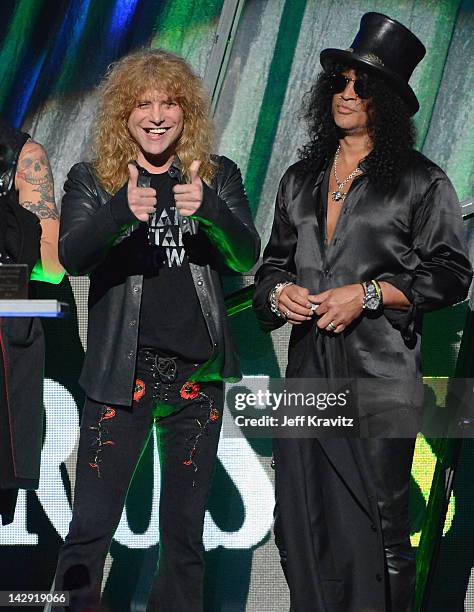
[(331, 327), (286, 314)]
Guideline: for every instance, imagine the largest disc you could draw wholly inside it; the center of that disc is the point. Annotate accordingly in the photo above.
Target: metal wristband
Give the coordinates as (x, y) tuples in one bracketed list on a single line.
[(273, 298), (373, 298)]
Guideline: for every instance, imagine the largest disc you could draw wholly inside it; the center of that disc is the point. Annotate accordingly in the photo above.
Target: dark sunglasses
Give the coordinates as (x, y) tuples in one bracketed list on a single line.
[(338, 82)]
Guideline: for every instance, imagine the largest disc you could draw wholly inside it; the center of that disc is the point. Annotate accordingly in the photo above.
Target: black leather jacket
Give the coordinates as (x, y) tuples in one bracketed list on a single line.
[(95, 237)]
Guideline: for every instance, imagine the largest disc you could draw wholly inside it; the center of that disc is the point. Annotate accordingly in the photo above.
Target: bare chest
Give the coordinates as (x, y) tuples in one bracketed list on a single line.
[(335, 205)]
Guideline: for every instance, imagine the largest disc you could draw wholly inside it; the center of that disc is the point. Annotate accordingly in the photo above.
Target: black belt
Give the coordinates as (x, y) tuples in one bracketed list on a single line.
[(169, 374), (165, 367)]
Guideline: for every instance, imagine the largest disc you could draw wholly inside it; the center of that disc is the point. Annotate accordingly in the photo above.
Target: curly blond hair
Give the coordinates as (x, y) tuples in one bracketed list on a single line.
[(124, 83)]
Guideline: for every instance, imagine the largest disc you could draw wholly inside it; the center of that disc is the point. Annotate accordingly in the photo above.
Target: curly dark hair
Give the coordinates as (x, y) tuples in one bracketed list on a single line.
[(391, 128)]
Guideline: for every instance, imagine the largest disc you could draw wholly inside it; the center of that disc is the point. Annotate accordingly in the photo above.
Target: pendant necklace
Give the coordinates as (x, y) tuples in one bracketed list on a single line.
[(339, 194)]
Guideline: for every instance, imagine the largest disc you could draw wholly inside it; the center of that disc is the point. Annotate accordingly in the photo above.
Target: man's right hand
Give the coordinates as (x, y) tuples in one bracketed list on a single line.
[(294, 304), (141, 200)]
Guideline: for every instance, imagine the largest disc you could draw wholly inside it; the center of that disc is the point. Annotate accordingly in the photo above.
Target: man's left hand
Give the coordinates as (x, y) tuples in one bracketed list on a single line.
[(188, 197), (338, 307)]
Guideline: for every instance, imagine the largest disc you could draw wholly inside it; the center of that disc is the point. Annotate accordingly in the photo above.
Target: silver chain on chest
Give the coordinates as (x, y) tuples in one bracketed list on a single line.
[(339, 194)]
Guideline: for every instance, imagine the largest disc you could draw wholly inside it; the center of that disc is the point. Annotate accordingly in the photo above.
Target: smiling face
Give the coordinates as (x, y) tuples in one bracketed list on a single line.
[(156, 123), (350, 111)]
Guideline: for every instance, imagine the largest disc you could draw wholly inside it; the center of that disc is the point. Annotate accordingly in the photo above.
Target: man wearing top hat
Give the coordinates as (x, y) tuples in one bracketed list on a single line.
[(367, 236)]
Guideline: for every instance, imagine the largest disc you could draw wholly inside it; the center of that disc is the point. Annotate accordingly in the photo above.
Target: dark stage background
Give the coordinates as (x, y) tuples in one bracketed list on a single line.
[(52, 54)]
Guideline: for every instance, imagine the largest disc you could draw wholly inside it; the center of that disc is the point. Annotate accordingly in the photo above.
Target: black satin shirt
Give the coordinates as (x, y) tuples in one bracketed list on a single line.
[(412, 238)]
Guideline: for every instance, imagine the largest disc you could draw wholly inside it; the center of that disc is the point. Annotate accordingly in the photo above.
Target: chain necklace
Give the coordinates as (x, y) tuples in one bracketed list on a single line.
[(339, 194)]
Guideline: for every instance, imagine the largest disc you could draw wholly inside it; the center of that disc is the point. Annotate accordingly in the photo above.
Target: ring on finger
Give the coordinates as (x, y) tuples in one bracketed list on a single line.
[(286, 314), (331, 327)]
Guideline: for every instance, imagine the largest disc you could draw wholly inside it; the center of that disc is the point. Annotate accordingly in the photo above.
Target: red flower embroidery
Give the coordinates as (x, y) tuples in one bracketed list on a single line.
[(108, 414), (187, 462), (189, 390), (213, 414), (139, 390)]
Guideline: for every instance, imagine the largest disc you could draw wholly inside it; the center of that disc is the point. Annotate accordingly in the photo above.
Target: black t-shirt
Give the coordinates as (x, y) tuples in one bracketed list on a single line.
[(171, 318)]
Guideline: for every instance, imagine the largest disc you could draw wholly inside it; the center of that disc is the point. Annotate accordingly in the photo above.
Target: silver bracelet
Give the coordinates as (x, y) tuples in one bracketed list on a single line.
[(274, 298)]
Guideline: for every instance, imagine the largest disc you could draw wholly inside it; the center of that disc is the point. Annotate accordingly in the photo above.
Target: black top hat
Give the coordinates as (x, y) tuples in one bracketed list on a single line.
[(386, 47)]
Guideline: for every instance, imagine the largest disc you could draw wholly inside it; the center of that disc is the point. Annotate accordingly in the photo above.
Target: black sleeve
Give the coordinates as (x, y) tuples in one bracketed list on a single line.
[(444, 273), (278, 261), (88, 226), (226, 218)]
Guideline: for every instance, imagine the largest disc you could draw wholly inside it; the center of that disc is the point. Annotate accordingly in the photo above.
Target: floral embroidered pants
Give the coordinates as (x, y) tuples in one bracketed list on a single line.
[(111, 440)]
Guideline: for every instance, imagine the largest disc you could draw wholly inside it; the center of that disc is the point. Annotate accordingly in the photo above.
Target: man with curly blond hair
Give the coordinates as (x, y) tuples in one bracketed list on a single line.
[(151, 220)]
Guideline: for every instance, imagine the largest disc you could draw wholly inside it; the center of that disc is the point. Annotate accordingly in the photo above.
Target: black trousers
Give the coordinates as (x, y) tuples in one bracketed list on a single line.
[(111, 440), (338, 556)]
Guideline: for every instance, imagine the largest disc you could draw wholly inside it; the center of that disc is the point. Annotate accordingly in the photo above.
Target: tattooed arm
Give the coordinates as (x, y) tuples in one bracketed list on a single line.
[(34, 183)]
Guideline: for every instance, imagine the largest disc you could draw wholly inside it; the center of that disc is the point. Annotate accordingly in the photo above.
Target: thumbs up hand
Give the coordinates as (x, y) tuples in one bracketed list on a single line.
[(188, 197), (141, 200)]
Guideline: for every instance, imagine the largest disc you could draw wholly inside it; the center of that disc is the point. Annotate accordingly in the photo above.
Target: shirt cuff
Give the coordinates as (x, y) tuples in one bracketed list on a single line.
[(405, 321)]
